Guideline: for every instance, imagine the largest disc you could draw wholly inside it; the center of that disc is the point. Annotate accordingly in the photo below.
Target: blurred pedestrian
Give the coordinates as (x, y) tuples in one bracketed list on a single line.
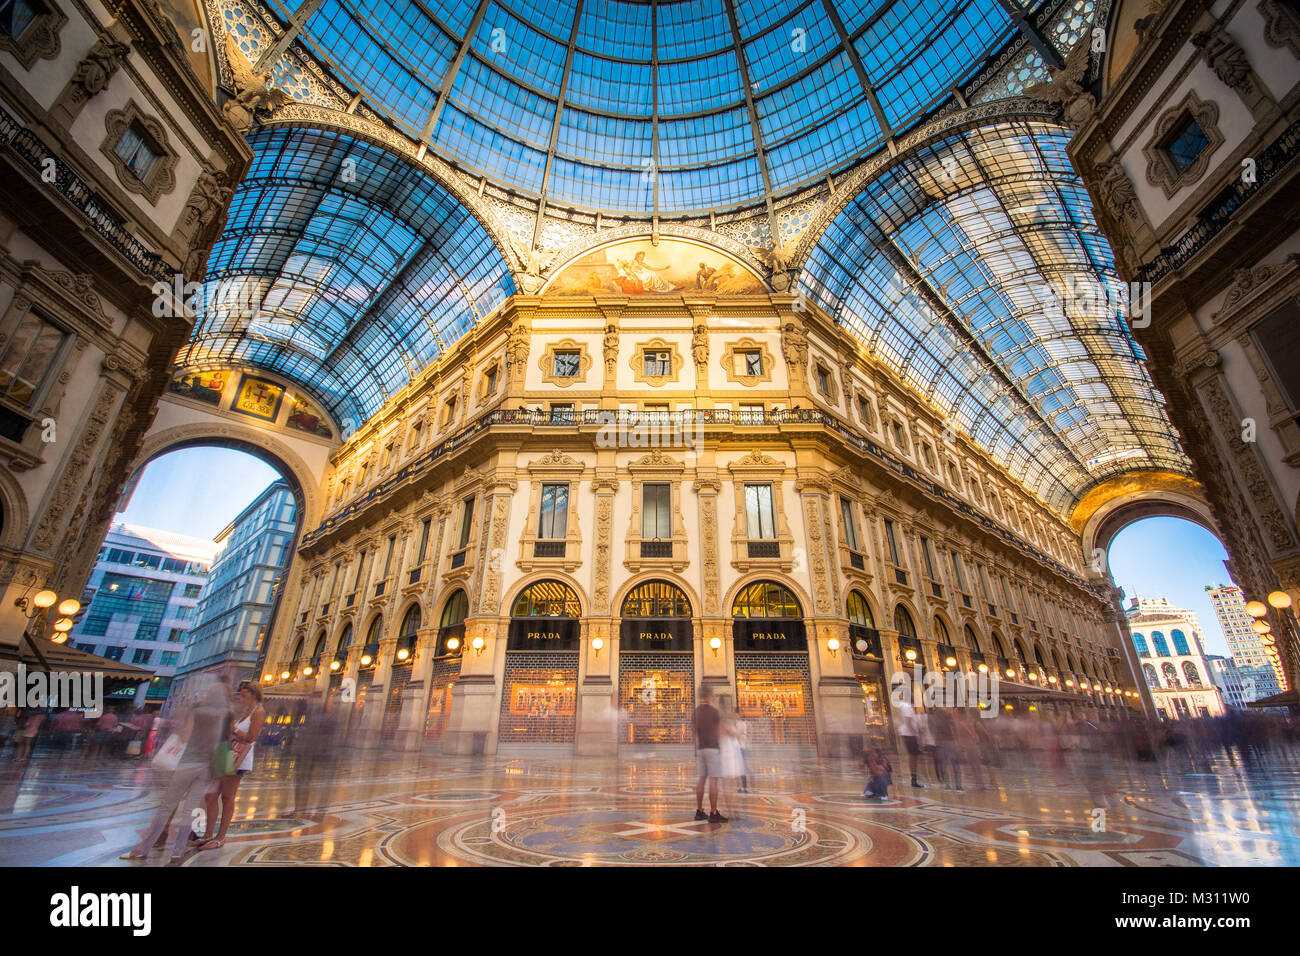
[(909, 730), (243, 738), (879, 774), (708, 734)]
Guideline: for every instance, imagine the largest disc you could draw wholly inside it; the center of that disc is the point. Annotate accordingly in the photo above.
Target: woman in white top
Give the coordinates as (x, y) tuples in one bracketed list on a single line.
[(246, 727)]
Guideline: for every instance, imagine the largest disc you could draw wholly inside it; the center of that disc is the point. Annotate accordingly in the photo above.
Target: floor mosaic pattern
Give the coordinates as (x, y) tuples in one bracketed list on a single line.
[(430, 809)]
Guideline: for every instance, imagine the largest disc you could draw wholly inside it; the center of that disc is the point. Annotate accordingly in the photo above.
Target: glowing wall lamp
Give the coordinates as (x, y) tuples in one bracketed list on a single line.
[(833, 645)]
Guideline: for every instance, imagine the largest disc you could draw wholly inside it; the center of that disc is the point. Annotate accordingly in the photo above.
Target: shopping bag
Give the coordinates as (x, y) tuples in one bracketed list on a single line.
[(134, 747), (223, 760), (169, 757)]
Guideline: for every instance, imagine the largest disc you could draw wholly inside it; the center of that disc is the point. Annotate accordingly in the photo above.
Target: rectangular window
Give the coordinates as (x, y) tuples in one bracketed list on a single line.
[(554, 520), (176, 636), (466, 523), (656, 511), (891, 538), (562, 413), (1277, 336), (423, 548), (749, 362), (491, 384), (850, 526), (657, 363), (113, 653), (984, 583), (823, 381), (137, 151), (929, 559), (142, 655), (169, 658), (759, 516), (389, 547), (959, 572), (192, 590), (751, 415), (361, 564), (566, 364), (449, 411)]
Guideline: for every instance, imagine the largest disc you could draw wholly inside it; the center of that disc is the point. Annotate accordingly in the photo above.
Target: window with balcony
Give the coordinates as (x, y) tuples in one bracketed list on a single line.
[(927, 555), (656, 520), (895, 551), (760, 521), (421, 551), (865, 413), (959, 573), (562, 414), (851, 539), (553, 521)]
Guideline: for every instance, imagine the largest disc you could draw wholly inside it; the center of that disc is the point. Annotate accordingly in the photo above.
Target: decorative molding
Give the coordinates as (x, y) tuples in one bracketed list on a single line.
[(1281, 25), (746, 344), (1160, 166), (637, 362), (161, 177), (96, 68), (40, 40), (546, 364)]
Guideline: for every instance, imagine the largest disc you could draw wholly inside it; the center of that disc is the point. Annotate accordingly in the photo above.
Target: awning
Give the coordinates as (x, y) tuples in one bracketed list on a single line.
[(1010, 688), (1288, 698), (65, 657)]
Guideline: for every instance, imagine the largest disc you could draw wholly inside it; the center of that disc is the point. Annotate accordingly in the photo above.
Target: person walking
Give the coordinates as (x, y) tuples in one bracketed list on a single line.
[(909, 730), (201, 733), (243, 738), (708, 739), (947, 767)]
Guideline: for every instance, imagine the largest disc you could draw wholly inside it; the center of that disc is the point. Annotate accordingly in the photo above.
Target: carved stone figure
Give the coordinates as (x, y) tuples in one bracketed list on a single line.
[(517, 352), (700, 345), (97, 68), (794, 344), (252, 94), (611, 347), (1226, 59), (1116, 191), (1066, 86)]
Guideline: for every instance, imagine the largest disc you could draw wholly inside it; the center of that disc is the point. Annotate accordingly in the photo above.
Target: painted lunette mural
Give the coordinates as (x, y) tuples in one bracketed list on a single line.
[(640, 267)]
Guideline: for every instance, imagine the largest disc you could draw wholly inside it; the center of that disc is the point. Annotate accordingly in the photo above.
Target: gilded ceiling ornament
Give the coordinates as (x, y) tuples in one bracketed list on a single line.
[(252, 91)]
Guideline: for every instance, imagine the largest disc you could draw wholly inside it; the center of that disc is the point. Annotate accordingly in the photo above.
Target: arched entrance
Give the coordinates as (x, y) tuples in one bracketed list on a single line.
[(868, 667), (539, 702), (656, 665), (773, 684), (448, 648)]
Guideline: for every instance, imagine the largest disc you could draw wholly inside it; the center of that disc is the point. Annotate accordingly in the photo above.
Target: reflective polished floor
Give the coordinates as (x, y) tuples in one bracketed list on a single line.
[(376, 809)]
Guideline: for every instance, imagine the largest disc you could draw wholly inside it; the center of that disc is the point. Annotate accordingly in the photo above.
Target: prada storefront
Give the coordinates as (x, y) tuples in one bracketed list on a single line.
[(656, 666), (773, 685), (541, 679)]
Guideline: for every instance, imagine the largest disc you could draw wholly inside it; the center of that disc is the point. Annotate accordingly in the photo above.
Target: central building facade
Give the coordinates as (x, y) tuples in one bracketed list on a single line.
[(591, 505)]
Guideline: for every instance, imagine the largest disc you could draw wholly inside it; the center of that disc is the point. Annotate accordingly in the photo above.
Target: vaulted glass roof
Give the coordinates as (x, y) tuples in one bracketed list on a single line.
[(975, 269), (644, 106), (344, 268)]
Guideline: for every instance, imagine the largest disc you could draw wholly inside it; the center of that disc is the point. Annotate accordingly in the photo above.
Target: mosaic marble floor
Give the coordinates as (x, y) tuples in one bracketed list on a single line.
[(381, 810)]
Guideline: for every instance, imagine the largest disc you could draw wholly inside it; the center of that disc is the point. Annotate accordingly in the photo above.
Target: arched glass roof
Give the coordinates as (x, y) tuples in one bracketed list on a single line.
[(344, 268), (975, 269), (584, 101)]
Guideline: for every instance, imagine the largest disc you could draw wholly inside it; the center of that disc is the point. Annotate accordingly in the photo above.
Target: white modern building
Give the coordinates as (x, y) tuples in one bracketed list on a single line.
[(1226, 677), (1174, 664), (141, 603)]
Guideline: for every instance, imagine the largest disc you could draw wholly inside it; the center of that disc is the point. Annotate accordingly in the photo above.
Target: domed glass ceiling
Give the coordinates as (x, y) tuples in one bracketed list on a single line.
[(658, 105)]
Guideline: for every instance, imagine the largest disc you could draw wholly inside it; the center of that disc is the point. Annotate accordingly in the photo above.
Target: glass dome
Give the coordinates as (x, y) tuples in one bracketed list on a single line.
[(656, 106)]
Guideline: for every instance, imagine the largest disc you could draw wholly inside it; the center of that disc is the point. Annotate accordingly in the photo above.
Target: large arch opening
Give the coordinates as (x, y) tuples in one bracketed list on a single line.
[(185, 581)]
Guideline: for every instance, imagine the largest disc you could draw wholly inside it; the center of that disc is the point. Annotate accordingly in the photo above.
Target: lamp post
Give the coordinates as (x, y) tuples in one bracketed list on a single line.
[(35, 608)]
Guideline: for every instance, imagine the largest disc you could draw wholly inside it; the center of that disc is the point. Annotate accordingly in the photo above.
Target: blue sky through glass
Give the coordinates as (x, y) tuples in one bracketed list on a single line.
[(197, 491), (1175, 559)]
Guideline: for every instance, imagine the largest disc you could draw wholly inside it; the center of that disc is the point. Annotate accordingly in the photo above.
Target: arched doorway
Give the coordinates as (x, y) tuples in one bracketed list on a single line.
[(402, 666), (448, 652), (773, 683), (869, 667), (340, 659), (656, 665), (910, 651), (539, 703)]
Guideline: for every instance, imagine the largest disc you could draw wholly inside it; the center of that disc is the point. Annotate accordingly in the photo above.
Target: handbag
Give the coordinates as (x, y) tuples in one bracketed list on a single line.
[(134, 747), (223, 760), (169, 757)]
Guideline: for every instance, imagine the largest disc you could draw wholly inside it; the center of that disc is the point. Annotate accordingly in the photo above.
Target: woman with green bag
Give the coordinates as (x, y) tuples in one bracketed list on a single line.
[(235, 755)]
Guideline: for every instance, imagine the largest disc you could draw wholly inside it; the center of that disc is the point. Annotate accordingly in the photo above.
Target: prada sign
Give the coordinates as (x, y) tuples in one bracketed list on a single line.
[(656, 634), (543, 634), (756, 635)]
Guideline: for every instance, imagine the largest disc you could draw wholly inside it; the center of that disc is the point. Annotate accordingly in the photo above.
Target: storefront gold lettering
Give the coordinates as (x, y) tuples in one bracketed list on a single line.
[(655, 636), (543, 636)]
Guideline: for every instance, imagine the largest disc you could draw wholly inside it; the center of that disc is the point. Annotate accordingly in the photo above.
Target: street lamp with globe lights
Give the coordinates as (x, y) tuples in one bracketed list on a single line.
[(36, 607)]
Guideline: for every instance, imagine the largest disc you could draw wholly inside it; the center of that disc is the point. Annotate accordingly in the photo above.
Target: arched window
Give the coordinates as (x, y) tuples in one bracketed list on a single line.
[(1020, 650), (1149, 672), (903, 622), (766, 599), (297, 651), (1069, 660), (997, 644), (656, 599), (455, 610), (547, 599), (376, 629), (1162, 648), (1038, 656), (859, 610), (410, 623), (1191, 673), (320, 646), (1170, 674), (972, 641), (1140, 642), (941, 631), (1180, 642), (344, 640)]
